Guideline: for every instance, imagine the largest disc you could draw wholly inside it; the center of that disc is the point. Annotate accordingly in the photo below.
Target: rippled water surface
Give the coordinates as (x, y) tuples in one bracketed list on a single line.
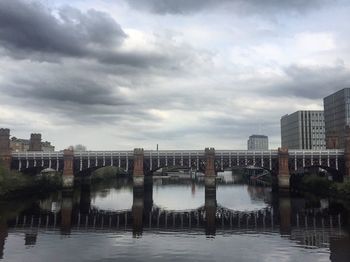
[(173, 221)]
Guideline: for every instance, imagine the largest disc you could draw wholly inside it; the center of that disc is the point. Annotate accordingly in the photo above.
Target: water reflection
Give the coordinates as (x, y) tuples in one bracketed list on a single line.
[(155, 209), (3, 236)]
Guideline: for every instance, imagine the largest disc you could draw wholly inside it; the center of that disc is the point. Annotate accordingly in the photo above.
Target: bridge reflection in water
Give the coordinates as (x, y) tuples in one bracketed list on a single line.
[(286, 216)]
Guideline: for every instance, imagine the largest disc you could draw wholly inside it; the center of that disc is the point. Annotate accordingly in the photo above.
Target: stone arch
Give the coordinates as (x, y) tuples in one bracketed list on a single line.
[(26, 166), (88, 171), (178, 164), (87, 166), (33, 170)]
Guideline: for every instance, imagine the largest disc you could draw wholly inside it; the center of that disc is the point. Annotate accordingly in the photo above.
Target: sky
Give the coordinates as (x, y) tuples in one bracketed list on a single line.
[(184, 74)]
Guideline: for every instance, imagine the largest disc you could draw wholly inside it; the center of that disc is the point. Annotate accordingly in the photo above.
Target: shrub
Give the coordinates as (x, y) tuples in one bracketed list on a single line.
[(341, 190), (13, 183), (316, 184)]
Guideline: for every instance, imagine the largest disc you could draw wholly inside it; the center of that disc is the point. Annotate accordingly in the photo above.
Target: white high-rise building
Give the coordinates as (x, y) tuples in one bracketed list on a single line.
[(337, 117), (303, 130), (258, 142)]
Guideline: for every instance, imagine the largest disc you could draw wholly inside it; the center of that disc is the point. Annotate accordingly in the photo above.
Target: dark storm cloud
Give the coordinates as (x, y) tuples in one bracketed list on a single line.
[(311, 82), (73, 93), (31, 27), (238, 6), (79, 93), (133, 59), (28, 30), (75, 90)]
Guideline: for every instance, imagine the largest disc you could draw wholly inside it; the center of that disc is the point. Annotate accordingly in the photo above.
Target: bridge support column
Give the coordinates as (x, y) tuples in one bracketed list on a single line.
[(66, 212), (283, 168), (210, 175), (5, 150), (68, 174), (210, 210), (285, 213), (137, 211), (138, 174)]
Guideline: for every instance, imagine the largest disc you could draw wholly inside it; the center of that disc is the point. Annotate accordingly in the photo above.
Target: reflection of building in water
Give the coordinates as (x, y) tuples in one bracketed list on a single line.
[(259, 193)]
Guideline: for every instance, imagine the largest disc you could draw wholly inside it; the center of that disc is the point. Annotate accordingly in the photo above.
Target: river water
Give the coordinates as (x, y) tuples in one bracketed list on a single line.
[(173, 221)]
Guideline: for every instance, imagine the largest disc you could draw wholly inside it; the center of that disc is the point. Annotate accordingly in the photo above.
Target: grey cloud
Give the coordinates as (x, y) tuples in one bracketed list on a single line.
[(133, 59), (227, 127), (72, 93), (237, 6), (76, 90), (311, 82), (30, 26), (28, 30)]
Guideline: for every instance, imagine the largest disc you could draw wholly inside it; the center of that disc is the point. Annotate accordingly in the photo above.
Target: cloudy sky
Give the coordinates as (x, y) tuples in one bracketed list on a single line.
[(186, 74)]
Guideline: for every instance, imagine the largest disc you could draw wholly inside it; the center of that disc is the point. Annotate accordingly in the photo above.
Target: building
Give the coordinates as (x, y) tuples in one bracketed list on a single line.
[(258, 142), (19, 145), (23, 145), (303, 130), (337, 117)]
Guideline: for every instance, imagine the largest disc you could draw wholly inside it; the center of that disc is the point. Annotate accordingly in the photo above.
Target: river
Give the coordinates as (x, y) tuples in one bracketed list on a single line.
[(173, 221)]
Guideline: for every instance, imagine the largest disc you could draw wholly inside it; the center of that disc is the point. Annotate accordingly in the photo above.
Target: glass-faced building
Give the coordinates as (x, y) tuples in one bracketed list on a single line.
[(337, 117), (303, 130), (258, 142)]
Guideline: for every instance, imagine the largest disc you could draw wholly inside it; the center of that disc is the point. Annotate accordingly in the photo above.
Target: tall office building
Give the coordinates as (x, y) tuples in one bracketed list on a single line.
[(258, 142), (337, 117), (303, 130)]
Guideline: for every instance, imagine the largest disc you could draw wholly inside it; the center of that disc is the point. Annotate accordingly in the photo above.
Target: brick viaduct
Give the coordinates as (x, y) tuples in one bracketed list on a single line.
[(143, 162)]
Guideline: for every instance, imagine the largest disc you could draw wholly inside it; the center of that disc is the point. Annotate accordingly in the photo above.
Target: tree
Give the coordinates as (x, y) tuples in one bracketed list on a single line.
[(80, 147)]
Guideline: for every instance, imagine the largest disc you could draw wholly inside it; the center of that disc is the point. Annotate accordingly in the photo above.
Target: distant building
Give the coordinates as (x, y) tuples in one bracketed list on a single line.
[(258, 142), (19, 145), (337, 117), (23, 145), (303, 130)]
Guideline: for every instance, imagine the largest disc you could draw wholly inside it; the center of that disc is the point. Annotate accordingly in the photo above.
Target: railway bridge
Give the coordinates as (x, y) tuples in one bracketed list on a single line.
[(139, 162)]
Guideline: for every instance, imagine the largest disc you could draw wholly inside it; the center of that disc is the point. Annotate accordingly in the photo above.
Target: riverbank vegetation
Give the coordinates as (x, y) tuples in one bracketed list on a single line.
[(14, 184), (341, 190), (321, 186)]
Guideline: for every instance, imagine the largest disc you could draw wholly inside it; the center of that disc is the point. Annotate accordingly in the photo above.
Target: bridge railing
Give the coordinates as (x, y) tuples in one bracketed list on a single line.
[(35, 154), (178, 153), (331, 152), (103, 153)]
